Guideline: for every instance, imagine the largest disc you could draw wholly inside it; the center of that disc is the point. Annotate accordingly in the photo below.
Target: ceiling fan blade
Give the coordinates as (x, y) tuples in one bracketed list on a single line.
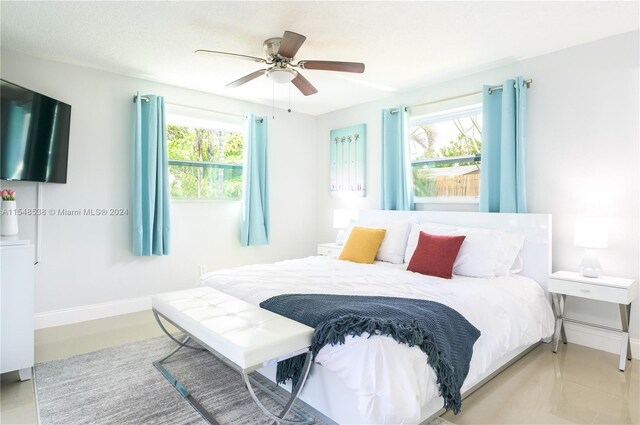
[(304, 85), (290, 44), (247, 78), (356, 67), (233, 55)]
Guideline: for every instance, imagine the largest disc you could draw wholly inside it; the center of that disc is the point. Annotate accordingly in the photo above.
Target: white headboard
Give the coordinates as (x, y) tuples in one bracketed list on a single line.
[(536, 251)]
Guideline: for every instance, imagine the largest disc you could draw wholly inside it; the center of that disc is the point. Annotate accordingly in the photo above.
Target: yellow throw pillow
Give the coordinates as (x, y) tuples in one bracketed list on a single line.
[(362, 245)]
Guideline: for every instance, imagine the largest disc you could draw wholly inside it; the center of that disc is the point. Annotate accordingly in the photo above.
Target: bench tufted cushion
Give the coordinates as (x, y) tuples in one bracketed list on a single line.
[(242, 332)]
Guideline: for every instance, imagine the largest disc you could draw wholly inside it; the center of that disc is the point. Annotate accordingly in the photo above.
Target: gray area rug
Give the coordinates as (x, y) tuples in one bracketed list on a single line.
[(120, 385)]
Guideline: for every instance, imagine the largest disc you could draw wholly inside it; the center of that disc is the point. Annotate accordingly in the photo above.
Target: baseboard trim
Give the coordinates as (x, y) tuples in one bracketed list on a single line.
[(599, 339), (49, 319)]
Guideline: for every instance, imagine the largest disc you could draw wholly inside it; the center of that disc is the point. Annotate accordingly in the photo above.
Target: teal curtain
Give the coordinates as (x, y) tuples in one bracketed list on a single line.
[(502, 180), (255, 209), (151, 223), (397, 179)]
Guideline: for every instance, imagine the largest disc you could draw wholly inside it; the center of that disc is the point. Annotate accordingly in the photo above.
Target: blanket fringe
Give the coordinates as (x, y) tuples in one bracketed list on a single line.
[(335, 331)]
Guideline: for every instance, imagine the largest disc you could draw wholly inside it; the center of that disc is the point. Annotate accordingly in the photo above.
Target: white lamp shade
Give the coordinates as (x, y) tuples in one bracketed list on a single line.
[(341, 218), (591, 232), (282, 76)]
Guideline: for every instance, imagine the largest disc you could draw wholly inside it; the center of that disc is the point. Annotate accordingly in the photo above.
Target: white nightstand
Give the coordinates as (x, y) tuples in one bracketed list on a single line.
[(330, 249), (603, 288)]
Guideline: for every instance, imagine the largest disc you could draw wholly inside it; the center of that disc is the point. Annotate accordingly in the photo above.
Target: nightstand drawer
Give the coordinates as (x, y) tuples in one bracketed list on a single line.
[(330, 250), (594, 292)]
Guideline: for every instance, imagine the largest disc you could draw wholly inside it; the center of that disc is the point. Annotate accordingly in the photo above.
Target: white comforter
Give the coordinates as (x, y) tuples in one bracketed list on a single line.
[(392, 381)]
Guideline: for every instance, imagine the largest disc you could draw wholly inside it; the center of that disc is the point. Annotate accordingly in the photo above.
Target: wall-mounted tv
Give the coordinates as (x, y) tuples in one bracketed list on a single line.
[(34, 135)]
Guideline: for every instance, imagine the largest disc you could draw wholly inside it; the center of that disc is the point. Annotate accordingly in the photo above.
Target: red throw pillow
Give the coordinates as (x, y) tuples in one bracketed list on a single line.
[(435, 255)]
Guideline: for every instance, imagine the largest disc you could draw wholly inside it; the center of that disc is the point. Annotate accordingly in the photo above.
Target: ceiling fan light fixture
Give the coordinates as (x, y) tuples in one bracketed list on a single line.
[(282, 75), (280, 55)]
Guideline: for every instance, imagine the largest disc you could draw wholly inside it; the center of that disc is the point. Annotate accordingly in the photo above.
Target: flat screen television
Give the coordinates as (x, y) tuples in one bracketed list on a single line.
[(34, 135)]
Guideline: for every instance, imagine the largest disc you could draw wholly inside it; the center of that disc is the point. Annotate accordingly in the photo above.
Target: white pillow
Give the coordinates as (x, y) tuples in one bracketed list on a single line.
[(518, 264), (511, 260), (394, 243), (484, 253)]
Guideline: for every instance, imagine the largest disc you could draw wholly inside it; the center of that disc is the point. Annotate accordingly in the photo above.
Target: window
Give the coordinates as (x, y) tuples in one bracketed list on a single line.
[(205, 159), (445, 155)]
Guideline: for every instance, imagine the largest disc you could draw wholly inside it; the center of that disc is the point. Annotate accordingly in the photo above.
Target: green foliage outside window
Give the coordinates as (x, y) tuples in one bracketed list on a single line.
[(435, 179), (464, 145), (219, 151)]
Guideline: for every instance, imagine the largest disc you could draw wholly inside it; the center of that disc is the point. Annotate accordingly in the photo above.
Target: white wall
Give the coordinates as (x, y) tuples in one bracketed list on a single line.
[(88, 260), (582, 158), (582, 151)]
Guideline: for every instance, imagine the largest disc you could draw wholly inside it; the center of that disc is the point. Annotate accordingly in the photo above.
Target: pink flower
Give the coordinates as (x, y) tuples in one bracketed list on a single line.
[(8, 195)]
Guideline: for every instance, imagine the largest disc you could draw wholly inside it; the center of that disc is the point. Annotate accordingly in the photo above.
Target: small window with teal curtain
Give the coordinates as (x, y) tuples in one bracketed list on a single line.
[(205, 159), (446, 155)]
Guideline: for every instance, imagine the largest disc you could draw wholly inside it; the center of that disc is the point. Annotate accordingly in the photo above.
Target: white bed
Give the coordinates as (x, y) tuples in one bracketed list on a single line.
[(377, 380)]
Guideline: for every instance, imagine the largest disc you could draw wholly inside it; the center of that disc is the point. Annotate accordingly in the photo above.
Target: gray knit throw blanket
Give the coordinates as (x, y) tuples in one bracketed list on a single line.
[(444, 335)]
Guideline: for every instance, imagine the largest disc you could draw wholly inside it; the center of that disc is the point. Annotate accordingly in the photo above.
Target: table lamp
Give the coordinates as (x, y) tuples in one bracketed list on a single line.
[(591, 233)]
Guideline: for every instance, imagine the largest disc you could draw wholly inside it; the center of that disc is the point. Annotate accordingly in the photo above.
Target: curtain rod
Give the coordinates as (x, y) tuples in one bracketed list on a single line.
[(146, 100), (490, 90)]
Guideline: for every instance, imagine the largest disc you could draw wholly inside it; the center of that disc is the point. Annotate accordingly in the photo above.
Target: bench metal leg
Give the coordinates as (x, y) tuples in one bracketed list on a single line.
[(288, 404), (173, 338), (181, 388), (295, 392), (173, 381), (207, 416)]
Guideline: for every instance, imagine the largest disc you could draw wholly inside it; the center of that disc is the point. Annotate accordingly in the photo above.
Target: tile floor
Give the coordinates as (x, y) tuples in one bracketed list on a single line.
[(579, 385)]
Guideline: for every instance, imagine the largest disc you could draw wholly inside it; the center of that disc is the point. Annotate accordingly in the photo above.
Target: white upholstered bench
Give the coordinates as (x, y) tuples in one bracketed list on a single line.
[(245, 336)]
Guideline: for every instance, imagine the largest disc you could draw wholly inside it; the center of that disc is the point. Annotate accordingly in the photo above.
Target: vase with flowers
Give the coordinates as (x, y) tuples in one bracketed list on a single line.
[(9, 213)]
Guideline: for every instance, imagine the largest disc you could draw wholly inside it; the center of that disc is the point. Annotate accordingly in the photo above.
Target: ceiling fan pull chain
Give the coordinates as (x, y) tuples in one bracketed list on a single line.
[(289, 110), (273, 100)]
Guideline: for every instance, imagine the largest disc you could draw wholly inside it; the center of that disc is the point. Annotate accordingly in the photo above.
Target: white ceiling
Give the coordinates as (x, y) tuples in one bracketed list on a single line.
[(404, 45)]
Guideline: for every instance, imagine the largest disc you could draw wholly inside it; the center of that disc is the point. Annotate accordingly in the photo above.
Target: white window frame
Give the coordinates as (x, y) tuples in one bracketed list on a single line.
[(436, 117), (202, 121)]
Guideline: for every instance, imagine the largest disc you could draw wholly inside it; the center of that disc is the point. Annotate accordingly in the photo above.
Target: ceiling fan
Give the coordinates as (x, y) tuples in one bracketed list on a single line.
[(280, 52)]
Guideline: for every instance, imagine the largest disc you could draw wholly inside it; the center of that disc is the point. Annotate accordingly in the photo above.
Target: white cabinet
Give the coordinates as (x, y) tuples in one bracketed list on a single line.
[(17, 303)]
